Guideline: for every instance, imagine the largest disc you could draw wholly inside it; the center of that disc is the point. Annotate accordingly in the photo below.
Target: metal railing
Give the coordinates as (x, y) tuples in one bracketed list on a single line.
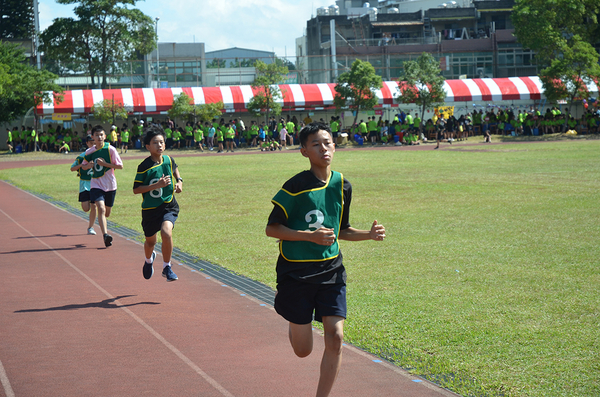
[(303, 70)]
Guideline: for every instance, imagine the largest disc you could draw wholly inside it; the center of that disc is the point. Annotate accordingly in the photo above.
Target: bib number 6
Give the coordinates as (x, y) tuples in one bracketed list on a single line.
[(319, 219), (156, 193), (97, 166)]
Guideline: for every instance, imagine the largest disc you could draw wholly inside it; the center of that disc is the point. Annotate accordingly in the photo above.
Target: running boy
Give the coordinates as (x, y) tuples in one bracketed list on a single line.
[(103, 159), (310, 215), (84, 186), (154, 180)]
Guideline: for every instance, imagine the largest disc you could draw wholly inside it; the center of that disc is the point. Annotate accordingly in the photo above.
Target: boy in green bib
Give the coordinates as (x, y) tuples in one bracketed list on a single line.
[(155, 182), (309, 217), (85, 178)]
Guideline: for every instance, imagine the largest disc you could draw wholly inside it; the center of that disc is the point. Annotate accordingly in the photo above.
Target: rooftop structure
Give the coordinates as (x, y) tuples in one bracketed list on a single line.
[(472, 39)]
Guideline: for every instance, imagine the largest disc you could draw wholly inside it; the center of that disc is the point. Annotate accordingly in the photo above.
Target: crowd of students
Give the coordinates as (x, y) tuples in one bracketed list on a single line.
[(410, 130), (279, 133)]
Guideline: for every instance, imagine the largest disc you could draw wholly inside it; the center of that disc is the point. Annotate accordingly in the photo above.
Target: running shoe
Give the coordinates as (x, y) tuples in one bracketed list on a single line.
[(168, 274), (108, 240), (91, 231), (148, 270)]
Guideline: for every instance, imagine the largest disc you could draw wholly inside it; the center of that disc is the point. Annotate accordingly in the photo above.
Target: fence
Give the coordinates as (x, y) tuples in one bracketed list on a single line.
[(180, 72)]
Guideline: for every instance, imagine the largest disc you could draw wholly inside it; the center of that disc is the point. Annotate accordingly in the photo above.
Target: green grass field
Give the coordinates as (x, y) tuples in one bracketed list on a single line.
[(488, 280)]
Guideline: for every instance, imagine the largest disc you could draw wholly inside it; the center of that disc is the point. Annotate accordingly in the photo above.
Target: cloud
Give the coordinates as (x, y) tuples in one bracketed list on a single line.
[(255, 24), (50, 10)]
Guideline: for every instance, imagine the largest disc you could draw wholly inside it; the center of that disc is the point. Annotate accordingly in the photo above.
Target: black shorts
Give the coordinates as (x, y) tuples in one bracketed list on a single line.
[(296, 301), (100, 195), (153, 219), (84, 196), (229, 139)]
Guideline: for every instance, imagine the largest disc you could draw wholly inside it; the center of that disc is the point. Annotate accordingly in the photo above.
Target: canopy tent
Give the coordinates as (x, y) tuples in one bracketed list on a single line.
[(295, 96)]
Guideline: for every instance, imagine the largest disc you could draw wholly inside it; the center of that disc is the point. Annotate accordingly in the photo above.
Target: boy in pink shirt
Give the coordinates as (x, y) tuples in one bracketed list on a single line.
[(104, 159)]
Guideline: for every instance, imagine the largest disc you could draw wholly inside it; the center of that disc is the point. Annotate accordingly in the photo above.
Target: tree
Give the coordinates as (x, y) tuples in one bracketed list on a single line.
[(184, 109), (244, 63), (544, 25), (16, 18), (285, 62), (563, 34), (568, 75), (248, 63), (216, 63), (105, 34), (22, 86), (208, 111), (182, 106), (354, 88), (5, 78), (423, 83), (267, 79), (109, 110)]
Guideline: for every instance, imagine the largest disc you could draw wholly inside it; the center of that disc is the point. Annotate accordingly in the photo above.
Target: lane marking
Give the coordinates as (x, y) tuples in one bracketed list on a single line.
[(5, 382), (151, 330)]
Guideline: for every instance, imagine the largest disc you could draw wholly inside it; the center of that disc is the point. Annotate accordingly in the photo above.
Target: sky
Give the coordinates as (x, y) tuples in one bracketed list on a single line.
[(263, 25)]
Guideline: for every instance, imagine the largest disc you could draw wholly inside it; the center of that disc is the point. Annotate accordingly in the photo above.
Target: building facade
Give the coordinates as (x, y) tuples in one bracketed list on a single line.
[(471, 39), (188, 65)]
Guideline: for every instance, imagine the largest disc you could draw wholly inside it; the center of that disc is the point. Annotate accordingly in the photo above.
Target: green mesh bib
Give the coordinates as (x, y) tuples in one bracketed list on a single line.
[(156, 197), (104, 153), (310, 210)]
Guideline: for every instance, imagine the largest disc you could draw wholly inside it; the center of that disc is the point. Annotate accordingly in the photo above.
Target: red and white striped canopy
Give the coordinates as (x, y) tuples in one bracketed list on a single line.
[(295, 96)]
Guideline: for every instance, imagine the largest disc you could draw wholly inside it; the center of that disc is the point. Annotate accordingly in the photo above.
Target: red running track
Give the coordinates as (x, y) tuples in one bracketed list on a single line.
[(78, 319)]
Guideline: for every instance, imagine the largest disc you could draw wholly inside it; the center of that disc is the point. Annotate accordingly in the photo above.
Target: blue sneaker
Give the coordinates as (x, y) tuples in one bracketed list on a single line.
[(168, 274), (148, 270)]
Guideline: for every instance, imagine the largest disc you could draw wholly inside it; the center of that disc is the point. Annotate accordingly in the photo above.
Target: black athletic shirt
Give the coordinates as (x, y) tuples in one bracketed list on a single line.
[(323, 272)]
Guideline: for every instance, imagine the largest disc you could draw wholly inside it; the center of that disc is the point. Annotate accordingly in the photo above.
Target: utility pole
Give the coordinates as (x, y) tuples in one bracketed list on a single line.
[(157, 72), (36, 37)]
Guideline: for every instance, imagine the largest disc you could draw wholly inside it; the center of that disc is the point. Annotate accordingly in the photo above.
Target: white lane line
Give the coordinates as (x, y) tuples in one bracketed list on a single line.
[(5, 382), (158, 336)]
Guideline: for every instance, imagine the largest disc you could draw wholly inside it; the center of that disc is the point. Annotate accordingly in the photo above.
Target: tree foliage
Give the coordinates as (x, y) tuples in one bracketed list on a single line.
[(545, 25), (563, 34), (22, 86), (216, 63), (184, 109), (265, 99), (207, 111), (286, 63), (567, 76), (16, 19), (243, 63), (354, 88), (105, 33), (423, 83), (109, 110)]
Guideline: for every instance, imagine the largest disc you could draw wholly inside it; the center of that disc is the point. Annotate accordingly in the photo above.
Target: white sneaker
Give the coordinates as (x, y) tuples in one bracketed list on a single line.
[(91, 231)]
